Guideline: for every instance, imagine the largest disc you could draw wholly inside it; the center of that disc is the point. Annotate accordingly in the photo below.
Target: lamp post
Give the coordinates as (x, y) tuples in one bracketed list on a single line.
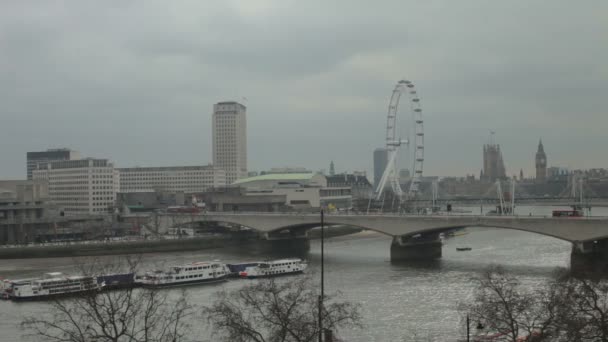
[(468, 331), (322, 278)]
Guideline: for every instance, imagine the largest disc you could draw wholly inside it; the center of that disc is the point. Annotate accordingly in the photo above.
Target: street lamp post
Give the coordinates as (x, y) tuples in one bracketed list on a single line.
[(468, 331), (322, 278)]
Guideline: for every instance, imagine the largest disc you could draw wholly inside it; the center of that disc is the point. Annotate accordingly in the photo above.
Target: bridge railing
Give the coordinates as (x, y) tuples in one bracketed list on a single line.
[(362, 214)]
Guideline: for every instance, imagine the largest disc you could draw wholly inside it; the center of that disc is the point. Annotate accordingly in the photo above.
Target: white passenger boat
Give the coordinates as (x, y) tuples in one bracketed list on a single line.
[(189, 274), (274, 268), (51, 285)]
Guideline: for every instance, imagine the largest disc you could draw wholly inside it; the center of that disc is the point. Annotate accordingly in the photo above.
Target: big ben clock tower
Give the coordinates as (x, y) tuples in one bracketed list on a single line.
[(541, 163)]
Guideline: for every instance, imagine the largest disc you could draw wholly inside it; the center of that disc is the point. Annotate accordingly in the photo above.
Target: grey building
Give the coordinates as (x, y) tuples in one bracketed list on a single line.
[(33, 158), (23, 205), (239, 199), (493, 164), (80, 187), (21, 199), (186, 179), (359, 184), (380, 161), (230, 139)]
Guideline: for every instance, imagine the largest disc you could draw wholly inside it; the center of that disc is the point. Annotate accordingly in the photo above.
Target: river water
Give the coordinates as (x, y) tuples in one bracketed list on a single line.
[(398, 301)]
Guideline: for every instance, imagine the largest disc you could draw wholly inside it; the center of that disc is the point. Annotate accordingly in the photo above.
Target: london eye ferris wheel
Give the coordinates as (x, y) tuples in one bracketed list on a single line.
[(404, 142)]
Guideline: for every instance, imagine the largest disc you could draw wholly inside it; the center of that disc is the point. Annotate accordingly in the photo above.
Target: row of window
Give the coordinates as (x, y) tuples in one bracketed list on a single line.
[(196, 276)]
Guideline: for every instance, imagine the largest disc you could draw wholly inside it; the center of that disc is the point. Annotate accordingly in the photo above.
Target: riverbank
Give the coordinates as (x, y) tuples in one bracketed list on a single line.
[(95, 248), (118, 247)]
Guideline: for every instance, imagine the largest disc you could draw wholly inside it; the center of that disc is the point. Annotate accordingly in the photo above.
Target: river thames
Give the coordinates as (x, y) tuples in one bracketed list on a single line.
[(398, 301)]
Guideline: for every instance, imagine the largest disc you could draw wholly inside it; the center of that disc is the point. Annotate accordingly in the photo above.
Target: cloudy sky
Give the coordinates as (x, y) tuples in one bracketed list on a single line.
[(135, 81)]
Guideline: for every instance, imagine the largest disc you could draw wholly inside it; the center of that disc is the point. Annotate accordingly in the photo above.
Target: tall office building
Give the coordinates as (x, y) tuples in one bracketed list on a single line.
[(541, 163), (380, 161), (493, 164), (230, 139), (33, 158)]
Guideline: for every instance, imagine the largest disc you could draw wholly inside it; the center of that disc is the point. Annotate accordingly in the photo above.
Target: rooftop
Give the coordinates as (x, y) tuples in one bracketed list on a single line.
[(277, 176)]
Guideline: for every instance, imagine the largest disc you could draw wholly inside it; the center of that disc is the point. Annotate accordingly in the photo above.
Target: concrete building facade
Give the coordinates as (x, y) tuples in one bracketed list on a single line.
[(187, 179), (301, 190), (238, 199), (80, 187), (33, 158), (360, 186), (493, 164), (21, 199), (230, 139)]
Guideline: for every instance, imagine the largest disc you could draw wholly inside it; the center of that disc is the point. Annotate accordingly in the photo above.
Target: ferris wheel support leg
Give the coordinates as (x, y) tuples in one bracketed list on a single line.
[(388, 171), (426, 247)]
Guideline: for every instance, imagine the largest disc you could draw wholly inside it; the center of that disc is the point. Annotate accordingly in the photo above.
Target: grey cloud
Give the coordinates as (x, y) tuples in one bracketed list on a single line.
[(135, 81)]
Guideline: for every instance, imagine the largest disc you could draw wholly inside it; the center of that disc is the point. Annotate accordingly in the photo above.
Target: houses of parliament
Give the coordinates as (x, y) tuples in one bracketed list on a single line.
[(545, 182)]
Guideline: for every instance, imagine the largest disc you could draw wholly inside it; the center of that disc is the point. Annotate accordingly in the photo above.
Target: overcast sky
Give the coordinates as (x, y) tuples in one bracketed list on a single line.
[(135, 81)]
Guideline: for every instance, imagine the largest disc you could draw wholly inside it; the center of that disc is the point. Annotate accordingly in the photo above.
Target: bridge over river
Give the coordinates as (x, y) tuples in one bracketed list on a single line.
[(417, 236)]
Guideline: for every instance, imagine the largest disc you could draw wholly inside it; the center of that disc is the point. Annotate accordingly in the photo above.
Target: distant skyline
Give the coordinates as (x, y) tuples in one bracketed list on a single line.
[(136, 81)]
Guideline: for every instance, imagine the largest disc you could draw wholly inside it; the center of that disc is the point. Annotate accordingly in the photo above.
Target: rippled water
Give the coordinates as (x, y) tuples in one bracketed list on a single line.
[(399, 301)]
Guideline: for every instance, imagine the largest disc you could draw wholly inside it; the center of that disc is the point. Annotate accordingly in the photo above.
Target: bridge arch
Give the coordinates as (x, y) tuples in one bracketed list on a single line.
[(572, 230), (335, 221)]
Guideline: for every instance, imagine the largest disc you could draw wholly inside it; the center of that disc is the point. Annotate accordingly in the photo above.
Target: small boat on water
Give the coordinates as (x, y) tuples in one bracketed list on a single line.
[(236, 269), (183, 275), (117, 281), (463, 249), (53, 284), (454, 233), (274, 268)]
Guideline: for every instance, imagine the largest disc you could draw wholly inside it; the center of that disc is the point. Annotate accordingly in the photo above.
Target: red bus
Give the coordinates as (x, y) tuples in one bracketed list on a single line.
[(568, 213)]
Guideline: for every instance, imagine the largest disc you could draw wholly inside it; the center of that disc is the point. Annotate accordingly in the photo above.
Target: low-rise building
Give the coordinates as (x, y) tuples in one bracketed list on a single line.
[(301, 190), (283, 170), (239, 199), (80, 187), (23, 205), (55, 154), (360, 186), (22, 199), (187, 179)]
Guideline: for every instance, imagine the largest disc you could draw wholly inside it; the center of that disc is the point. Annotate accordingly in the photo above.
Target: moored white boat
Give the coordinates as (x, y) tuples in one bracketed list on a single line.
[(274, 268), (51, 285), (189, 274)]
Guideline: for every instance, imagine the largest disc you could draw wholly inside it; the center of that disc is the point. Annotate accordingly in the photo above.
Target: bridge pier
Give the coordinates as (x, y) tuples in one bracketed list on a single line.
[(590, 257), (425, 247)]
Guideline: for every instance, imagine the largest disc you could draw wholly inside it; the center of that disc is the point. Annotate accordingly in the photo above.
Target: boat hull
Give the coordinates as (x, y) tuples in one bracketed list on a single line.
[(183, 283), (54, 296), (272, 275)]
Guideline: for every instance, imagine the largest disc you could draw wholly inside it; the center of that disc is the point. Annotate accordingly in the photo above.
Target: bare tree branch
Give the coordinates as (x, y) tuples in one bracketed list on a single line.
[(272, 310)]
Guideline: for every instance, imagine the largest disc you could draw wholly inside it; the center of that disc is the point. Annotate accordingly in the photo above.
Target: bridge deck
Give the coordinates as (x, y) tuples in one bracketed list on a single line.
[(569, 229)]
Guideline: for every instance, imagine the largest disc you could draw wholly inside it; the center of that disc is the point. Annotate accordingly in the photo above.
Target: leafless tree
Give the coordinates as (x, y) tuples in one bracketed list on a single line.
[(134, 315), (583, 314), (277, 311), (503, 307)]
